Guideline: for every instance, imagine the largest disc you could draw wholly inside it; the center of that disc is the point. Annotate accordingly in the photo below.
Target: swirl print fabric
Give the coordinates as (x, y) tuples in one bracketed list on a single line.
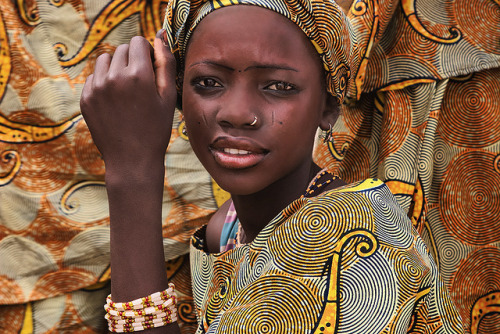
[(54, 224), (346, 261), (427, 122)]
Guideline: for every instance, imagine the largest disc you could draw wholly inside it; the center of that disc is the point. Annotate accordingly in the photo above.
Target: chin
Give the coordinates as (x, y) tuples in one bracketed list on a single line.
[(238, 184)]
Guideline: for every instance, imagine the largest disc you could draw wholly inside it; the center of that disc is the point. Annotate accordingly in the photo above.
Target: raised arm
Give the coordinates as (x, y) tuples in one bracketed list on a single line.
[(128, 104)]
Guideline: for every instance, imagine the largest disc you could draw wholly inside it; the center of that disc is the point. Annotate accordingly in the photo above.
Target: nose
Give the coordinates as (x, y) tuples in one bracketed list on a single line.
[(239, 109)]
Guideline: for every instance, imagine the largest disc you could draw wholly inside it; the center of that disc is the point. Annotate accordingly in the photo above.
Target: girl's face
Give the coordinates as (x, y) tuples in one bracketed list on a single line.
[(245, 62)]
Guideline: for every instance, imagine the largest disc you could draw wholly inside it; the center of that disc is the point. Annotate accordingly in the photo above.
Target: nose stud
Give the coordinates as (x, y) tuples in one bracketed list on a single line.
[(254, 121)]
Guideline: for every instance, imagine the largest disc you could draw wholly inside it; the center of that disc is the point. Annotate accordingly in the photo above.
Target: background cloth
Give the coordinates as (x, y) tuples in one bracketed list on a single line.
[(424, 116), (427, 122)]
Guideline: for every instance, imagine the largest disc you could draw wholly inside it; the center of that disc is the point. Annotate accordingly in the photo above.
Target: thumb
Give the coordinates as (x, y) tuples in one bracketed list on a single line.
[(165, 69)]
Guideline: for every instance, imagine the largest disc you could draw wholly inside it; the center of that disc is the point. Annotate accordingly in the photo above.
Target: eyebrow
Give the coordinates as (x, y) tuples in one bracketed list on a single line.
[(271, 66), (260, 66), (209, 62)]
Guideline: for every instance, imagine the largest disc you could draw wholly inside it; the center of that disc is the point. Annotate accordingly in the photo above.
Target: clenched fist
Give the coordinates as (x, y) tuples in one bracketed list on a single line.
[(129, 102)]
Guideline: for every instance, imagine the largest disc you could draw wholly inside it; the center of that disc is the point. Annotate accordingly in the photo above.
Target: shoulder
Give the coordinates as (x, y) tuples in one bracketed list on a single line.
[(328, 216), (355, 205), (320, 226), (359, 202)]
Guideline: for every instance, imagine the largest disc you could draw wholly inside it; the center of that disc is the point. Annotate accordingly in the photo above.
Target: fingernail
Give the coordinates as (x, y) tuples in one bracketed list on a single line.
[(161, 35)]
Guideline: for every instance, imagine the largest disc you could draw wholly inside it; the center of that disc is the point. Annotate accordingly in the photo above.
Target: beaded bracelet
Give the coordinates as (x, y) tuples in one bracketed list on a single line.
[(139, 326), (135, 319), (125, 323), (146, 311), (153, 299), (155, 310), (120, 320)]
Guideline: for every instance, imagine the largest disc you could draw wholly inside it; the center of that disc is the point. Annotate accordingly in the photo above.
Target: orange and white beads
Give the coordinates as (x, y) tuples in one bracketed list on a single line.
[(155, 310)]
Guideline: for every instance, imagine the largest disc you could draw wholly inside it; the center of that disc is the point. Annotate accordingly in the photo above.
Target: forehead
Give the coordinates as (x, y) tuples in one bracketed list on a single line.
[(251, 30)]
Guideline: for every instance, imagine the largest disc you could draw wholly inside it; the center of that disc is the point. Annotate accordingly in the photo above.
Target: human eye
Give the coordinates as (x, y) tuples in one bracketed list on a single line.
[(206, 83), (281, 86)]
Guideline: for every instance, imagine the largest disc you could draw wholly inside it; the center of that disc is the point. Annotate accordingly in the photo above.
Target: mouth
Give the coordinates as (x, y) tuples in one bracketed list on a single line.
[(237, 153)]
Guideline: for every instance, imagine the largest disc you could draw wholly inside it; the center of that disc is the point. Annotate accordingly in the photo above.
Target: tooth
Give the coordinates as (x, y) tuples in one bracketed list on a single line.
[(235, 151)]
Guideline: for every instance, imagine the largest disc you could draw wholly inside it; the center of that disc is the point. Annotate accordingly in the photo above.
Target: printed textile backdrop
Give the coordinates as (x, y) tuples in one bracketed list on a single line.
[(54, 232), (424, 116), (428, 124)]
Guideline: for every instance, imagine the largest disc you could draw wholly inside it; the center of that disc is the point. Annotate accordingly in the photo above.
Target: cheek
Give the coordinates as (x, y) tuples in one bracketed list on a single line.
[(195, 122), (302, 118), (194, 110)]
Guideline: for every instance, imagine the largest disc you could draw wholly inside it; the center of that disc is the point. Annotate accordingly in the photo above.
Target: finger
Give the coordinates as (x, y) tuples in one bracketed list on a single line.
[(101, 69), (87, 86), (164, 67), (139, 55), (86, 91), (120, 59)]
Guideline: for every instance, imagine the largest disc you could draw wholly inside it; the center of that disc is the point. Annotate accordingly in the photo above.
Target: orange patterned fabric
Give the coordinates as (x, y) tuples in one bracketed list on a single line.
[(427, 122), (406, 42)]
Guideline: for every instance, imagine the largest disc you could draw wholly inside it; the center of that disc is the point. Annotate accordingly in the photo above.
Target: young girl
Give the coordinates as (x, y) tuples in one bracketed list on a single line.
[(295, 250)]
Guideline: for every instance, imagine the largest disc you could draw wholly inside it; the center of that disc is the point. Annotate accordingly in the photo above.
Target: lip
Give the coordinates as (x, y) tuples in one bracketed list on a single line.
[(237, 153)]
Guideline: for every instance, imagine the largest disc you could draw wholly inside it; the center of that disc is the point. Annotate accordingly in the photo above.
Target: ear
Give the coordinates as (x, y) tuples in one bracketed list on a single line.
[(330, 113)]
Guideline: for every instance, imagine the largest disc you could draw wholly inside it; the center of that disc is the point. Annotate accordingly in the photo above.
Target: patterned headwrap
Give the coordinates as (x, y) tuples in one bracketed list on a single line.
[(323, 21)]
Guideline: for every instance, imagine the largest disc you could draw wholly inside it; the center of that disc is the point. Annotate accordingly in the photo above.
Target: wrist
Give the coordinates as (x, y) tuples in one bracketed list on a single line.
[(137, 174), (135, 195)]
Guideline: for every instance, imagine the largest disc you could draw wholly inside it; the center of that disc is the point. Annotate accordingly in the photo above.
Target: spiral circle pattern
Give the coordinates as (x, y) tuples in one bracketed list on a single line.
[(478, 123), (451, 252), (271, 305), (470, 198), (354, 161), (409, 39), (396, 122), (394, 228), (478, 26), (360, 290), (477, 275), (359, 118), (47, 168), (314, 229)]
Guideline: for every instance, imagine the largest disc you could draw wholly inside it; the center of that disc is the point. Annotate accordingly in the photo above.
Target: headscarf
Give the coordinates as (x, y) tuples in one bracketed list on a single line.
[(323, 21)]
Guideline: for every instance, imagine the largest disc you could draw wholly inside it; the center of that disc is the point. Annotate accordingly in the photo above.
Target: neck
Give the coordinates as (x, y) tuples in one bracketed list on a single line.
[(255, 211)]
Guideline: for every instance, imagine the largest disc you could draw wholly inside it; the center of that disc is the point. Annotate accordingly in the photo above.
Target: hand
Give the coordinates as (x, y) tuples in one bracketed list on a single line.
[(129, 102)]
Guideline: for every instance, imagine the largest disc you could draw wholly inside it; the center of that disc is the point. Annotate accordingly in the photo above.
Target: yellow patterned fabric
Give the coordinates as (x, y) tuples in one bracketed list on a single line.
[(346, 261), (323, 21)]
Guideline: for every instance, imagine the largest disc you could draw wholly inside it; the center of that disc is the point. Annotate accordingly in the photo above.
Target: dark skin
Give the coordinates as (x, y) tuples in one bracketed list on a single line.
[(231, 76)]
